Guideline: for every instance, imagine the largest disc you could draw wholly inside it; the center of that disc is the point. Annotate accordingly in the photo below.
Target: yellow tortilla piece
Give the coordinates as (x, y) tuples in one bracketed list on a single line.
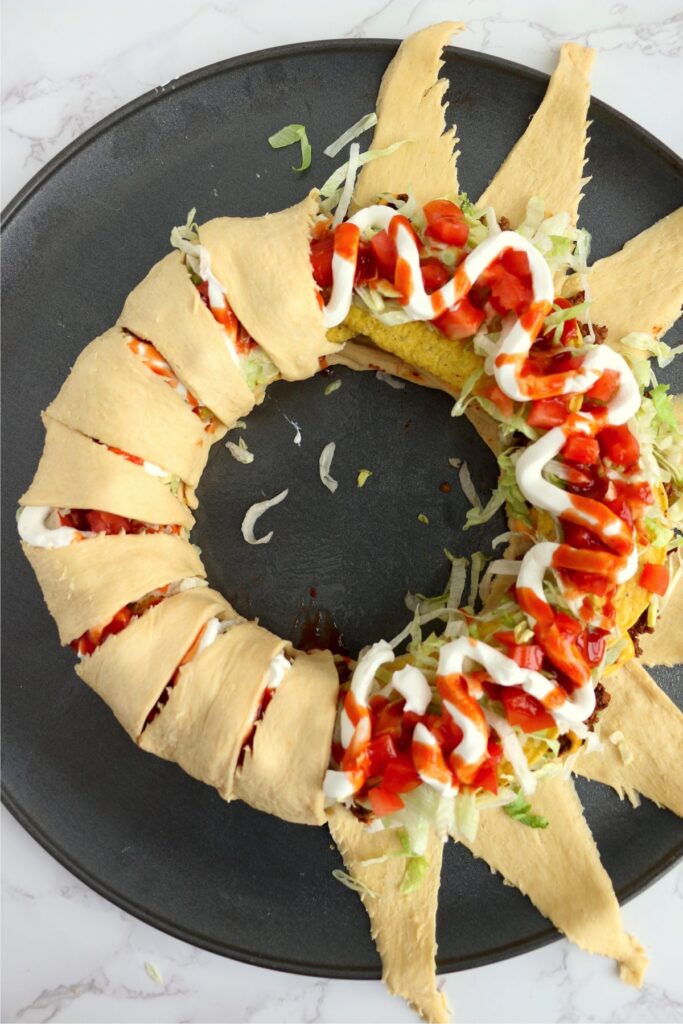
[(211, 708), (410, 106), (665, 645), (559, 869), (86, 583), (549, 158), (265, 266), (167, 310), (131, 670), (652, 728), (418, 344), (292, 742), (75, 472), (403, 925), (112, 396), (639, 288)]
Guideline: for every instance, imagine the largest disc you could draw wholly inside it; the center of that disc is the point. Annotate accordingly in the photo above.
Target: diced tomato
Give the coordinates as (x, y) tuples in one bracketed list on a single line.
[(389, 719), (377, 702), (619, 445), (400, 776), (434, 274), (582, 449), (589, 582), (579, 537), (494, 394), (505, 636), (527, 655), (567, 625), (516, 262), (605, 386), (365, 266), (384, 250), (383, 802), (446, 222), (592, 643), (381, 750), (203, 289), (463, 321), (525, 711), (509, 293), (548, 412), (322, 250), (108, 522), (654, 578), (486, 777), (494, 749), (621, 508), (640, 492)]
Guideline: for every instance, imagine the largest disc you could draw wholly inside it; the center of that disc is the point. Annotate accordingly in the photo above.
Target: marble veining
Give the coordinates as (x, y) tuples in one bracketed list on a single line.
[(68, 955)]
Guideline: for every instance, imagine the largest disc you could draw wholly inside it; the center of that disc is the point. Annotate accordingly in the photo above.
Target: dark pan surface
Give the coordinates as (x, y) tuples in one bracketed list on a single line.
[(80, 235)]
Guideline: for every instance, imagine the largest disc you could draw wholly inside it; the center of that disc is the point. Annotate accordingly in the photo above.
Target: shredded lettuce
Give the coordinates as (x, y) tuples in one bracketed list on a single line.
[(506, 493), (239, 451), (354, 884), (363, 477), (290, 135), (520, 810), (362, 125), (639, 342), (349, 185), (331, 190), (254, 512), (414, 875), (324, 464), (466, 392), (423, 518), (332, 387), (258, 369)]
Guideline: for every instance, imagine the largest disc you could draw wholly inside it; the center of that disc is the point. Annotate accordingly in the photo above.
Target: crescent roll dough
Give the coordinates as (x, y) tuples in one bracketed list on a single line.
[(652, 729), (131, 670), (212, 707), (410, 106), (265, 266), (403, 924), (629, 291), (88, 582), (167, 310), (549, 158), (112, 396), (292, 742), (75, 472), (559, 869)]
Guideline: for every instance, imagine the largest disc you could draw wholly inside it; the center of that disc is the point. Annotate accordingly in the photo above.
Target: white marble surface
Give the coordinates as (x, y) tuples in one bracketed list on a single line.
[(68, 955)]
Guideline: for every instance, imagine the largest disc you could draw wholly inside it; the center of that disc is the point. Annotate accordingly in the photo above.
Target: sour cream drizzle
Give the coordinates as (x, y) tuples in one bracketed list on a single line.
[(512, 374)]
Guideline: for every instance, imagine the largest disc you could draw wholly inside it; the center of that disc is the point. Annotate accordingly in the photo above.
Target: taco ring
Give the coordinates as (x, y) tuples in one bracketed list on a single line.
[(481, 300)]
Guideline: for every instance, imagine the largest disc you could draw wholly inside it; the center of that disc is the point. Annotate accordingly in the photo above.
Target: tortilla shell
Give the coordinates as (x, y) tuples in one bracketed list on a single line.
[(410, 106), (212, 706), (130, 670), (665, 645), (75, 472), (167, 310), (403, 925), (88, 582), (112, 396), (549, 158), (265, 266), (559, 869), (417, 343), (292, 742), (652, 728), (629, 291)]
